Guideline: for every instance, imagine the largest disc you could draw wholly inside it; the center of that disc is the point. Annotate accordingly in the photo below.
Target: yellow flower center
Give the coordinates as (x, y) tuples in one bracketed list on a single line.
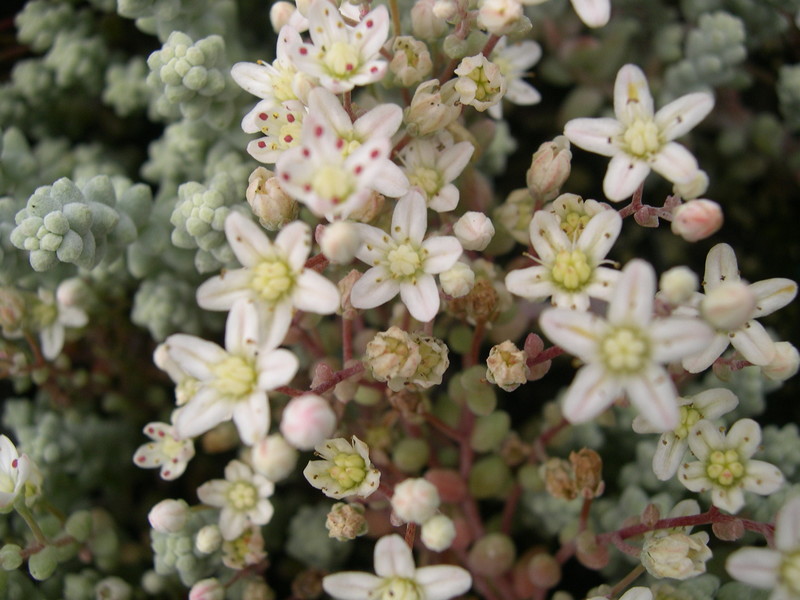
[(405, 261), (348, 470), (624, 350), (341, 59), (573, 223), (7, 483), (642, 138), (272, 279), (282, 83), (689, 415), (483, 90), (725, 468), (242, 496), (332, 183), (235, 376), (397, 588), (790, 572), (171, 447), (428, 180), (571, 270), (186, 390)]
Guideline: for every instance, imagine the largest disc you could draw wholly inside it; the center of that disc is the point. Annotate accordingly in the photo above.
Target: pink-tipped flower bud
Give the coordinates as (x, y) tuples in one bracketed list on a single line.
[(280, 13), (208, 539), (697, 219), (415, 500), (274, 457), (458, 280), (729, 305), (678, 284), (474, 230), (550, 167), (339, 242), (207, 589), (438, 533), (307, 420), (168, 516), (694, 188), (784, 365)]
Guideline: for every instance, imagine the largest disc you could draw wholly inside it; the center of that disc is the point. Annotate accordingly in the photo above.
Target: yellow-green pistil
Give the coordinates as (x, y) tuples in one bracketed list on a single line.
[(397, 588), (242, 496), (625, 350), (571, 270), (341, 60), (725, 467), (483, 90), (573, 223), (642, 139), (405, 261), (272, 279), (348, 470), (235, 376), (689, 415), (790, 572)]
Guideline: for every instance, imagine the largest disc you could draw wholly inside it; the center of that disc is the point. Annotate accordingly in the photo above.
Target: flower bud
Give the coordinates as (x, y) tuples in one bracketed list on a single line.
[(474, 230), (544, 571), (557, 475), (499, 17), (280, 13), (445, 9), (433, 361), (307, 420), (112, 588), (507, 366), (79, 525), (432, 108), (10, 557), (168, 516), (273, 207), (346, 521), (273, 457), (208, 539), (411, 61), (393, 356), (207, 589), (729, 531), (12, 311), (438, 533), (492, 555), (678, 284), (550, 167), (696, 219), (415, 500), (784, 365), (425, 23), (345, 286), (729, 305), (587, 467), (449, 484), (458, 280), (480, 82), (339, 242), (589, 553), (677, 555), (43, 563), (695, 187)]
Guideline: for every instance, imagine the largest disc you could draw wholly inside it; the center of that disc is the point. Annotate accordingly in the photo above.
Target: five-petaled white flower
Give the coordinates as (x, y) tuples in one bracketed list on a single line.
[(432, 165), (166, 451), (625, 351), (751, 339), (638, 140), (724, 465), (339, 56), (15, 471), (280, 124), (402, 262), (232, 383), (242, 496), (778, 569), (672, 445), (397, 577), (345, 469), (570, 268), (273, 277)]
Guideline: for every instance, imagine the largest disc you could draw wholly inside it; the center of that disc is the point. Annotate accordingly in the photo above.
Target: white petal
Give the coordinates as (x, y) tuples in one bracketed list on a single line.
[(704, 438), (203, 412), (375, 287), (351, 585), (693, 476), (594, 13), (247, 240), (522, 56), (390, 179), (315, 293), (443, 582), (632, 300), (446, 199), (522, 93), (264, 151), (772, 294), (375, 243), (632, 96), (603, 282), (625, 173), (715, 402), (276, 368), (547, 237), (452, 160), (410, 218), (668, 456), (754, 343), (393, 558), (730, 499), (251, 417), (600, 233), (576, 332), (382, 121), (274, 322), (194, 355), (294, 241), (762, 478), (675, 163), (373, 31), (721, 266), (242, 329), (595, 135), (745, 436), (220, 292), (52, 339), (421, 298), (443, 252), (253, 78), (676, 337), (655, 397), (591, 392), (758, 567), (532, 283), (681, 115), (232, 523), (326, 106), (702, 360), (72, 316), (787, 525), (213, 492)]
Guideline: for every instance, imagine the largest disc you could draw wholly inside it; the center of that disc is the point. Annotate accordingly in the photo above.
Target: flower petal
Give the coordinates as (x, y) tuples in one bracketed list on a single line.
[(532, 283), (204, 411), (693, 476), (599, 235), (632, 300), (772, 294), (326, 106), (595, 135), (421, 298), (591, 392), (390, 179), (276, 368), (576, 332), (242, 329), (274, 322), (443, 582), (728, 499), (787, 525), (668, 456), (375, 243), (220, 292), (194, 355), (251, 417), (315, 293), (452, 160), (375, 287), (247, 240), (745, 436), (676, 337), (382, 121), (294, 241), (762, 478), (704, 359), (410, 218), (632, 98), (675, 163), (393, 558), (625, 173), (655, 396), (443, 252), (547, 237), (351, 585), (681, 115), (754, 343), (721, 266), (759, 567), (704, 439), (594, 13), (715, 402)]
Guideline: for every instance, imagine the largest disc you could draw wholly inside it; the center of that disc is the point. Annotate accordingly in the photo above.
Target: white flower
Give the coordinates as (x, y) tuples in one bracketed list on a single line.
[(751, 340), (402, 262), (625, 351), (397, 578), (570, 268), (339, 56), (53, 316), (415, 500), (280, 124), (232, 382), (574, 213), (672, 445), (242, 496), (777, 568), (515, 62), (431, 169), (166, 450), (345, 469), (273, 277), (15, 471), (724, 466), (480, 82), (676, 553), (637, 140)]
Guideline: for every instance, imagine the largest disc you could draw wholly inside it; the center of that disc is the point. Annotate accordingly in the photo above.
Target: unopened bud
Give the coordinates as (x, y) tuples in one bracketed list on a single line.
[(346, 521), (784, 365), (207, 589), (458, 280), (544, 571), (677, 555), (168, 516), (273, 207), (280, 13), (474, 230), (507, 366), (339, 242), (208, 539), (587, 467), (650, 515), (729, 305), (425, 23), (307, 420), (499, 17), (694, 188), (432, 108), (678, 284), (728, 531), (445, 9), (696, 219), (415, 500), (438, 533), (492, 555), (550, 167), (273, 457), (411, 61), (393, 356), (112, 588)]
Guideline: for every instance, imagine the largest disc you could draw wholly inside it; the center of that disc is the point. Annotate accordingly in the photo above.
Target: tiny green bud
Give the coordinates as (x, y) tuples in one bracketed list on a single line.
[(410, 455), (489, 478), (492, 555), (490, 431), (79, 525), (42, 564), (10, 557)]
